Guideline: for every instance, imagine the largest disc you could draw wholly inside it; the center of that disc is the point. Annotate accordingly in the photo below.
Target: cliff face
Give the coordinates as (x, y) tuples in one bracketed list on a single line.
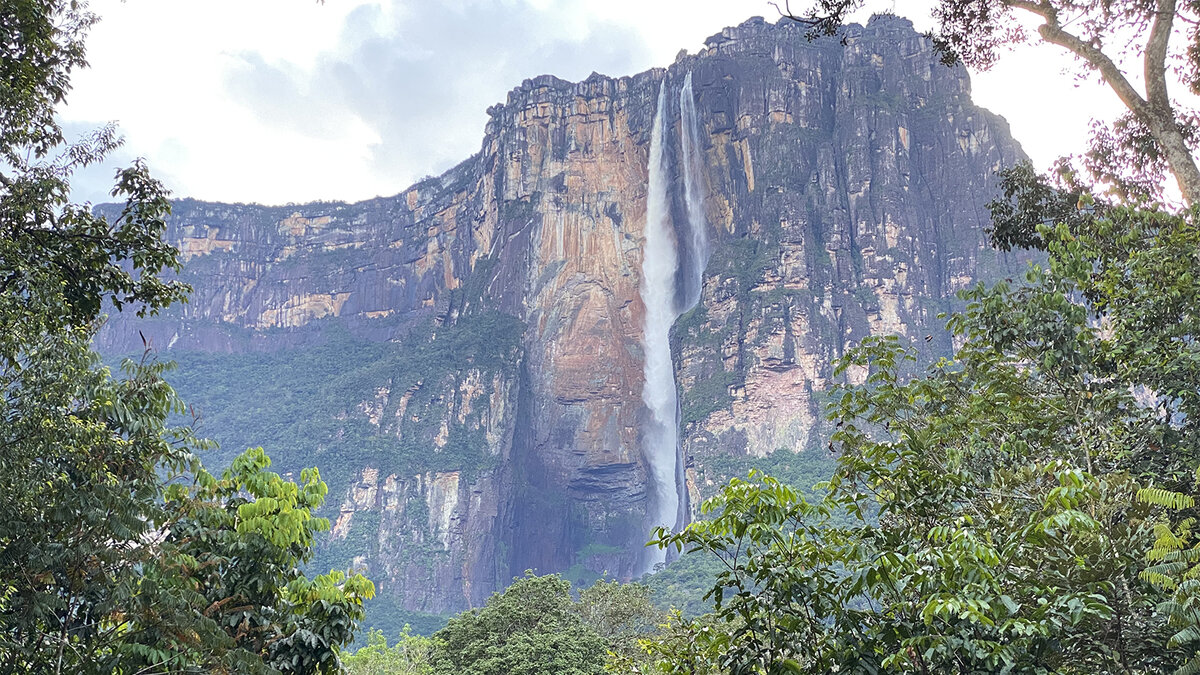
[(490, 319)]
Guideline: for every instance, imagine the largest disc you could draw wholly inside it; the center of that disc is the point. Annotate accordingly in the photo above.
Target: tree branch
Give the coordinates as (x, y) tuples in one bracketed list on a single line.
[(1157, 113), (1053, 32), (1156, 57)]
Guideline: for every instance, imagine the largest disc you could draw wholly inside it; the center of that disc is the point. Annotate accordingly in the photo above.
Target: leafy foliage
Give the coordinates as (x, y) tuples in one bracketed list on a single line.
[(79, 474), (58, 261), (683, 583), (102, 569), (529, 629), (1175, 567), (536, 627), (619, 613), (680, 647), (995, 527), (240, 542), (81, 449), (409, 656), (1030, 200)]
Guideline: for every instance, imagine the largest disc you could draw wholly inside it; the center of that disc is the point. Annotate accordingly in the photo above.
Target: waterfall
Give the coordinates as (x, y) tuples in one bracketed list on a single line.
[(660, 267), (693, 167), (659, 263)]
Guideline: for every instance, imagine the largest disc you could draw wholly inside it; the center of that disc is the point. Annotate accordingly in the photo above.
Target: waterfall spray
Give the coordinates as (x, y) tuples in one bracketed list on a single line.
[(693, 167), (659, 262)]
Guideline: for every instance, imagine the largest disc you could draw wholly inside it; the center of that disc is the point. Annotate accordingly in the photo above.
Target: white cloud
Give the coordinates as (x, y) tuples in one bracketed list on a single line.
[(291, 100)]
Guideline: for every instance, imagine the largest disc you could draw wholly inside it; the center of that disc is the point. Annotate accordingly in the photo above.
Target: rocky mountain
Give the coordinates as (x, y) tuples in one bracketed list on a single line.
[(634, 290)]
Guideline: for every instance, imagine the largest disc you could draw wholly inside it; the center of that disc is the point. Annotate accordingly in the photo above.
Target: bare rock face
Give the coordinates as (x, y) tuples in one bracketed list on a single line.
[(497, 306), (849, 181)]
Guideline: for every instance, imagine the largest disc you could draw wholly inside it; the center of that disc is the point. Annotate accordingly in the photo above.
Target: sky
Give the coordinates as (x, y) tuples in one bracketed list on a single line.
[(292, 101)]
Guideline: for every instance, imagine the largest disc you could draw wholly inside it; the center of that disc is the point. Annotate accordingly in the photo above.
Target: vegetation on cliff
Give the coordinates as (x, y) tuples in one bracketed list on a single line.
[(118, 551), (309, 388)]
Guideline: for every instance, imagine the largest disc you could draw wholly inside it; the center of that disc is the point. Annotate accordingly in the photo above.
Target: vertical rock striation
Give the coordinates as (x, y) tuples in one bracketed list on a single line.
[(493, 406)]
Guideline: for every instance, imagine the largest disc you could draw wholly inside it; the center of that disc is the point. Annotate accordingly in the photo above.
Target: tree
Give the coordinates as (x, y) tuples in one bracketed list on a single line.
[(80, 448), (619, 613), (409, 656), (535, 627), (79, 471), (531, 628), (58, 261), (679, 647), (1157, 136), (997, 527), (236, 546), (99, 571)]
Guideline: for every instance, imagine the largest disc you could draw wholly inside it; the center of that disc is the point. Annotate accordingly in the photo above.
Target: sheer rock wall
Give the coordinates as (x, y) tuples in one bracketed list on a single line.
[(845, 181)]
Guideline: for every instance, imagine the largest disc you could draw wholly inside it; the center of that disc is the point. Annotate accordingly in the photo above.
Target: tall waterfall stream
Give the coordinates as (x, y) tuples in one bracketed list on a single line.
[(660, 269)]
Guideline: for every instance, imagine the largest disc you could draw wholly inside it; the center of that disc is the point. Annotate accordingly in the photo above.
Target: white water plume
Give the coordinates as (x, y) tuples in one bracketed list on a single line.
[(659, 263), (660, 268), (693, 166)]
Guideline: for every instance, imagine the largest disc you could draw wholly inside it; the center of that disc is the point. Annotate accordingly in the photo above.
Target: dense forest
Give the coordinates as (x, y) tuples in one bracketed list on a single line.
[(1025, 506)]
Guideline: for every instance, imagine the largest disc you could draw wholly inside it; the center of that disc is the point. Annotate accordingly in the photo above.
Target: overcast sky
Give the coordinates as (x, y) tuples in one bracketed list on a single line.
[(277, 101)]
